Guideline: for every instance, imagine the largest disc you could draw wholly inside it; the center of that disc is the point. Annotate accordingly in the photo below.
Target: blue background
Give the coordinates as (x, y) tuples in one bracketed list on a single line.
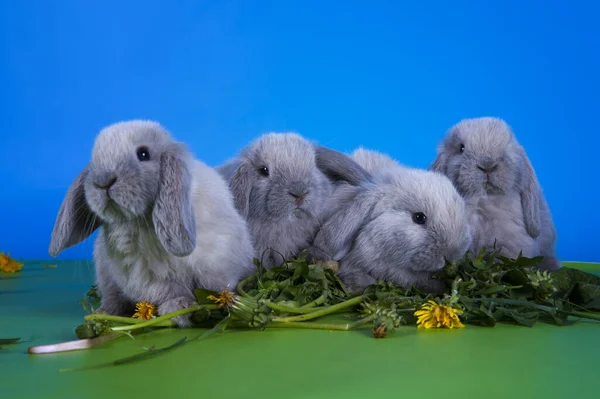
[(388, 75)]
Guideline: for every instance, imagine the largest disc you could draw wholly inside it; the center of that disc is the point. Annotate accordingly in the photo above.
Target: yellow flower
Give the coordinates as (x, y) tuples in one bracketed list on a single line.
[(226, 299), (433, 315), (9, 265), (144, 311)]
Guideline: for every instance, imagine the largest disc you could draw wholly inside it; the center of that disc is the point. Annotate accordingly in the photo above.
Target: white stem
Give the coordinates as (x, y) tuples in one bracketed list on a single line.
[(72, 345)]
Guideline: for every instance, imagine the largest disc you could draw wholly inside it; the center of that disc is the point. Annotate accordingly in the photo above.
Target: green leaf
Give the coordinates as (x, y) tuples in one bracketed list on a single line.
[(479, 261), (518, 277), (587, 295), (523, 317), (130, 359), (86, 331), (492, 289), (8, 341), (220, 326)]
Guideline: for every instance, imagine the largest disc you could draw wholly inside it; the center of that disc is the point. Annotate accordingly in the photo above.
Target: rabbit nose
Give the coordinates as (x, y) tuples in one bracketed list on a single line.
[(487, 166), (299, 192), (106, 183)]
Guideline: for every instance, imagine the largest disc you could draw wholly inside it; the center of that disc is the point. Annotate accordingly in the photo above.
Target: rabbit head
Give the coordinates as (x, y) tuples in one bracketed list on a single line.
[(400, 229), (425, 217), (277, 177), (137, 174), (482, 157)]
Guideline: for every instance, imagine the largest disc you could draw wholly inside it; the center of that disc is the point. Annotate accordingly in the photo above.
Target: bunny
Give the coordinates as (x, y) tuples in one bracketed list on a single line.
[(167, 222), (401, 226), (372, 161), (492, 171), (282, 183)]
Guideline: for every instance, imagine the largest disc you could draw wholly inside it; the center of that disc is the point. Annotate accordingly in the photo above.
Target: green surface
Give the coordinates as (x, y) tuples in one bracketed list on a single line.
[(41, 305)]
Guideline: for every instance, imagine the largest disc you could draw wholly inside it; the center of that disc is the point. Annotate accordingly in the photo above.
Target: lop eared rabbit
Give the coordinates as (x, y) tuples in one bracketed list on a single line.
[(493, 173), (282, 183), (168, 222), (401, 226)]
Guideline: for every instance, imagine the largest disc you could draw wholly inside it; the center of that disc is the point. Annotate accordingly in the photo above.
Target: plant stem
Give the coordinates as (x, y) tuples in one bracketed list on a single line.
[(548, 309), (322, 326), (316, 302), (160, 319), (130, 359), (126, 320), (289, 309), (321, 312), (241, 284), (73, 345)]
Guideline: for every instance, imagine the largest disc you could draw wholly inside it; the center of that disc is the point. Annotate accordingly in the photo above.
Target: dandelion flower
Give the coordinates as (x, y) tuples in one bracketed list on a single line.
[(434, 315), (226, 299), (144, 311), (9, 265), (380, 331)]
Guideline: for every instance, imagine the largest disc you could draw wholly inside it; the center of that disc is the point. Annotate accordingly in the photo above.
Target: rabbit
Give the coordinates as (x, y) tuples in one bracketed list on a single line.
[(373, 161), (401, 226), (167, 222), (492, 171), (281, 183)]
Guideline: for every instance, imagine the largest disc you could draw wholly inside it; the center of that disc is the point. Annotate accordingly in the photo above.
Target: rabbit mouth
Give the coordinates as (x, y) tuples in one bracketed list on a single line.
[(419, 264), (113, 210), (491, 188), (300, 213)]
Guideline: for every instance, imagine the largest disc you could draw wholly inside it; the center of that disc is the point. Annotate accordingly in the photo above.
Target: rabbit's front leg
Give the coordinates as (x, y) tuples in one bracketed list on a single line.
[(169, 296), (175, 304), (113, 301)]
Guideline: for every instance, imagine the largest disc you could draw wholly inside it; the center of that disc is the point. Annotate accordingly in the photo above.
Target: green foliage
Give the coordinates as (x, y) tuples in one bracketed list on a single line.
[(491, 288), (297, 284), (91, 300), (485, 289)]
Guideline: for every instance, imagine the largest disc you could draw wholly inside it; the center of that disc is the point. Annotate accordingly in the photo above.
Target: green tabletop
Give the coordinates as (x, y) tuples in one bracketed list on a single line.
[(41, 305)]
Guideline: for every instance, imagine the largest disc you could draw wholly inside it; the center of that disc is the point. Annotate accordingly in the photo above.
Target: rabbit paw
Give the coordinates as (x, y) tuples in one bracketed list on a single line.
[(115, 308), (174, 304), (329, 264), (315, 255)]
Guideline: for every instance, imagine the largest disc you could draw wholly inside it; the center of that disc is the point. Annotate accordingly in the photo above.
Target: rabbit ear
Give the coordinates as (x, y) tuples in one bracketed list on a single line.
[(530, 198), (440, 162), (173, 213), (227, 169), (240, 184), (75, 221), (336, 235), (340, 167)]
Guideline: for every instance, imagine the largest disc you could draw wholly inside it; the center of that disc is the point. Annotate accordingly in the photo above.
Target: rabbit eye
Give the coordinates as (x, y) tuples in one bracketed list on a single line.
[(419, 218), (264, 171), (462, 148), (143, 154)]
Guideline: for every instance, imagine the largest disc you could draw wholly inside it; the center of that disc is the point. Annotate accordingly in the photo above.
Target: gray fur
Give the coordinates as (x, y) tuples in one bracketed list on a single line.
[(281, 225), (374, 162), (169, 226), (369, 229), (505, 201), (228, 168)]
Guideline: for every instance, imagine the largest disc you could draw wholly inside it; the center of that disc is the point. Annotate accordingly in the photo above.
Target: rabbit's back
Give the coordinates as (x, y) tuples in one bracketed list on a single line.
[(223, 245)]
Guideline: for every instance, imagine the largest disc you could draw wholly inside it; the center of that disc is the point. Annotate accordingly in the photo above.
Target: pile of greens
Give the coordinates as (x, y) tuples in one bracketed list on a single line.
[(483, 290)]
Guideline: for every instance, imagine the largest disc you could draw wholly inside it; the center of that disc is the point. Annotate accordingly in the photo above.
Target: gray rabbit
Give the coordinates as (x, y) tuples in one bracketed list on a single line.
[(506, 205), (168, 222), (282, 183), (401, 225)]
